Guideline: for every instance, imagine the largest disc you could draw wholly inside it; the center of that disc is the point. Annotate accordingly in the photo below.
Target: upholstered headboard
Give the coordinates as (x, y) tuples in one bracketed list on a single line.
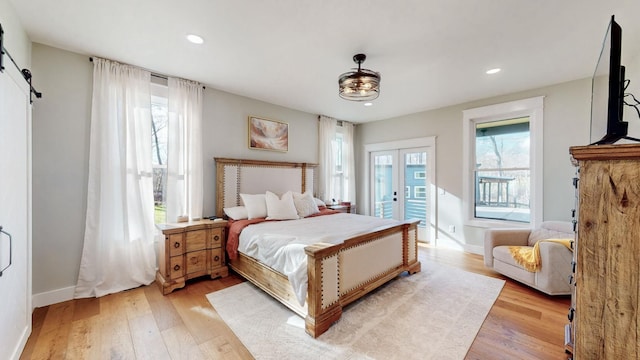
[(236, 176)]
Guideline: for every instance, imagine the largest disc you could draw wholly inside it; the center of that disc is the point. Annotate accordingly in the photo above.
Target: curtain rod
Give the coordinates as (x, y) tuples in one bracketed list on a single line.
[(161, 76), (26, 74)]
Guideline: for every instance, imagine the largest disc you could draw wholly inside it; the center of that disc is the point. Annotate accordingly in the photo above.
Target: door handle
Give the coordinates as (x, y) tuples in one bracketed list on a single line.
[(10, 246)]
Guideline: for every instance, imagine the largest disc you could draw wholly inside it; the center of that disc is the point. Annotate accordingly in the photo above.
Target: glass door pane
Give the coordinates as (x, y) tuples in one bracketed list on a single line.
[(383, 184), (415, 181)]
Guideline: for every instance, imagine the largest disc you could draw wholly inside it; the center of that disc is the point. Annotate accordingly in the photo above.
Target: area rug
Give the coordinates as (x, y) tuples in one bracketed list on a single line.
[(434, 314)]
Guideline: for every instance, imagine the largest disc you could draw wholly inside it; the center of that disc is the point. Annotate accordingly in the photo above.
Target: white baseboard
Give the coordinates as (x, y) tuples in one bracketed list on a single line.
[(474, 249), (21, 343), (52, 297)]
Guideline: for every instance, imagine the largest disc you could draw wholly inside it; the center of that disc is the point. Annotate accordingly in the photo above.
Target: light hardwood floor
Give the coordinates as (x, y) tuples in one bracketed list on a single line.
[(143, 324)]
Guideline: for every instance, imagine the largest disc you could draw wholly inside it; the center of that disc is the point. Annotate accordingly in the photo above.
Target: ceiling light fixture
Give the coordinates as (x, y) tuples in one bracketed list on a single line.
[(493, 71), (195, 39), (361, 84)]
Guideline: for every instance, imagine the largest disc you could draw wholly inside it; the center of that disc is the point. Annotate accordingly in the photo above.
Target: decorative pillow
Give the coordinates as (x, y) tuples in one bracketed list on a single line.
[(305, 204), (237, 212), (319, 202), (280, 208), (255, 204)]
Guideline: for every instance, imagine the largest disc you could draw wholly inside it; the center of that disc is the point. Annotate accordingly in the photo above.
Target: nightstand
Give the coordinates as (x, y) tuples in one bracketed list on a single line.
[(340, 207), (190, 250)]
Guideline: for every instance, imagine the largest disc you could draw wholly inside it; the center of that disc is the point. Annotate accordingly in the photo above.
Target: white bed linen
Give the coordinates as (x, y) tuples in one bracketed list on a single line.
[(280, 244)]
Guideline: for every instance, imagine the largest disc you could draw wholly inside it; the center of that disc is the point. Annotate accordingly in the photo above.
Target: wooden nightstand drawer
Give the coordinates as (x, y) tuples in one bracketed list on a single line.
[(175, 245), (216, 257), (216, 238), (196, 261), (196, 240), (176, 268)]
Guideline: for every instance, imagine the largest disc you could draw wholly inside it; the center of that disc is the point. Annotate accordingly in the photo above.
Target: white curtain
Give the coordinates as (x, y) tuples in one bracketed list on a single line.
[(326, 154), (184, 163), (118, 251), (348, 162)]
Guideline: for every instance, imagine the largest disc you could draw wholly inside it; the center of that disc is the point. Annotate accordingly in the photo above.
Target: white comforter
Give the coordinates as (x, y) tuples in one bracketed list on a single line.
[(280, 244)]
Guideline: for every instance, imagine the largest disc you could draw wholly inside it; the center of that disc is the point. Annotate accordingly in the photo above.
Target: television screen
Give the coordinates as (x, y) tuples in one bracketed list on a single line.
[(600, 92), (607, 90)]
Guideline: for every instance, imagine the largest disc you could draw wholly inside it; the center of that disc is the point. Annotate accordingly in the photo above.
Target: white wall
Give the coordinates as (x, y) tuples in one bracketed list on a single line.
[(566, 123), (15, 38), (60, 168), (61, 149)]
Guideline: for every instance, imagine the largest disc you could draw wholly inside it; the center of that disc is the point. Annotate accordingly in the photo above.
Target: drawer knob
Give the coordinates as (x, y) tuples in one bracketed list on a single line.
[(194, 260), (216, 258), (176, 245), (216, 238), (176, 268)]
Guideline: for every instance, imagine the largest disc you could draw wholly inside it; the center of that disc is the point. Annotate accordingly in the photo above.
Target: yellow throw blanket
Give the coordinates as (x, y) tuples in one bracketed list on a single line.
[(529, 257)]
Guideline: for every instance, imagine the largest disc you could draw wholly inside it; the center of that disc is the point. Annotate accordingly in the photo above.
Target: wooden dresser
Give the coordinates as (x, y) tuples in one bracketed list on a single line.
[(607, 269), (190, 250)]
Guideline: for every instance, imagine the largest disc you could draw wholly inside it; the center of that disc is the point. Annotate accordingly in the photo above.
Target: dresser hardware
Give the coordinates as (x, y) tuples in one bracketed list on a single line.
[(216, 238), (176, 245), (176, 268), (217, 258)]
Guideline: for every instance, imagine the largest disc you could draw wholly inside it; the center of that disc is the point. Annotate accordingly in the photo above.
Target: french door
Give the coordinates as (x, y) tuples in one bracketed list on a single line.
[(400, 186)]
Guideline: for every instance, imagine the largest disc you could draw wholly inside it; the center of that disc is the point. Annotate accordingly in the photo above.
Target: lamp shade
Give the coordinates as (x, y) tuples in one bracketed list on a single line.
[(359, 84)]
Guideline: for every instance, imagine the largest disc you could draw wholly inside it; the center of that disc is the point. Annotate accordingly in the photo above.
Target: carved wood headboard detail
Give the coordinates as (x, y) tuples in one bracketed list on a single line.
[(236, 176)]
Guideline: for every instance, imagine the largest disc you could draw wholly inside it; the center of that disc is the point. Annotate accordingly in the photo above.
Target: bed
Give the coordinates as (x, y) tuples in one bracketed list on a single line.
[(336, 274)]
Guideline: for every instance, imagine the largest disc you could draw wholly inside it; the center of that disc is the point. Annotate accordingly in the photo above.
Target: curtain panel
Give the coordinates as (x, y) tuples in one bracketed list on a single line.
[(184, 159), (326, 157), (118, 251), (349, 168)]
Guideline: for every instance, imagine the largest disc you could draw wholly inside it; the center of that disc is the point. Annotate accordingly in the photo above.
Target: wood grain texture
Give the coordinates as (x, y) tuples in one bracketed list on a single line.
[(523, 323), (608, 272)]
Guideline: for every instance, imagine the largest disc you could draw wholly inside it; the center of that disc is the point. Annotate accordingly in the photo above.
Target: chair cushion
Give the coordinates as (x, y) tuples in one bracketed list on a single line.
[(504, 263)]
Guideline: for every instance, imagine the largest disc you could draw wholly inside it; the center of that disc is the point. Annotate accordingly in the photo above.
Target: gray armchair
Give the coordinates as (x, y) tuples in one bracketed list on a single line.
[(553, 276)]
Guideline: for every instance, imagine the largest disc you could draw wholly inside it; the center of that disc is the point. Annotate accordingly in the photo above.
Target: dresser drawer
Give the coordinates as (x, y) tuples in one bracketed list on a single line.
[(176, 268), (196, 261), (216, 257), (216, 237), (196, 240), (175, 245)]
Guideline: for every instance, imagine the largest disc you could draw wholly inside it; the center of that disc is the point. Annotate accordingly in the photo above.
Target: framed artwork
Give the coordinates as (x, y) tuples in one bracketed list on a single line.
[(265, 134)]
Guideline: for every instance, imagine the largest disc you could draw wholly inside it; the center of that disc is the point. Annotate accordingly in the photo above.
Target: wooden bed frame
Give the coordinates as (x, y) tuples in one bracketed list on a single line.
[(337, 274)]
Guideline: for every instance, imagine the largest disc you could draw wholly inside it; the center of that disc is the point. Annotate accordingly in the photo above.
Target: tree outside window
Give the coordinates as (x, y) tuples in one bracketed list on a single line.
[(159, 114)]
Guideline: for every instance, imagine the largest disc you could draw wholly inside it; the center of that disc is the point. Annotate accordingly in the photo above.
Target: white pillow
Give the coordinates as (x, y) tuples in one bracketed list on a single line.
[(305, 204), (237, 212), (319, 202), (280, 209), (255, 204)]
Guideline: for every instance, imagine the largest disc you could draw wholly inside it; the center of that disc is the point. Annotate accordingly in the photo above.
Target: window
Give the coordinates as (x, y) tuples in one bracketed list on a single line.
[(419, 175), (502, 189), (420, 192), (338, 160), (503, 163), (159, 115), (338, 173), (407, 192)]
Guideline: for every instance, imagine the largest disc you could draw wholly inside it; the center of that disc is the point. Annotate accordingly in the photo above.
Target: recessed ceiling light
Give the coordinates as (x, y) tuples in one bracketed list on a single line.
[(368, 104), (195, 39), (493, 71)]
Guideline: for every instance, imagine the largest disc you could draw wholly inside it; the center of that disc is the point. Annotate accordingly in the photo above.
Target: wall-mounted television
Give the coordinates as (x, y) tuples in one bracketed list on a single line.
[(607, 91)]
